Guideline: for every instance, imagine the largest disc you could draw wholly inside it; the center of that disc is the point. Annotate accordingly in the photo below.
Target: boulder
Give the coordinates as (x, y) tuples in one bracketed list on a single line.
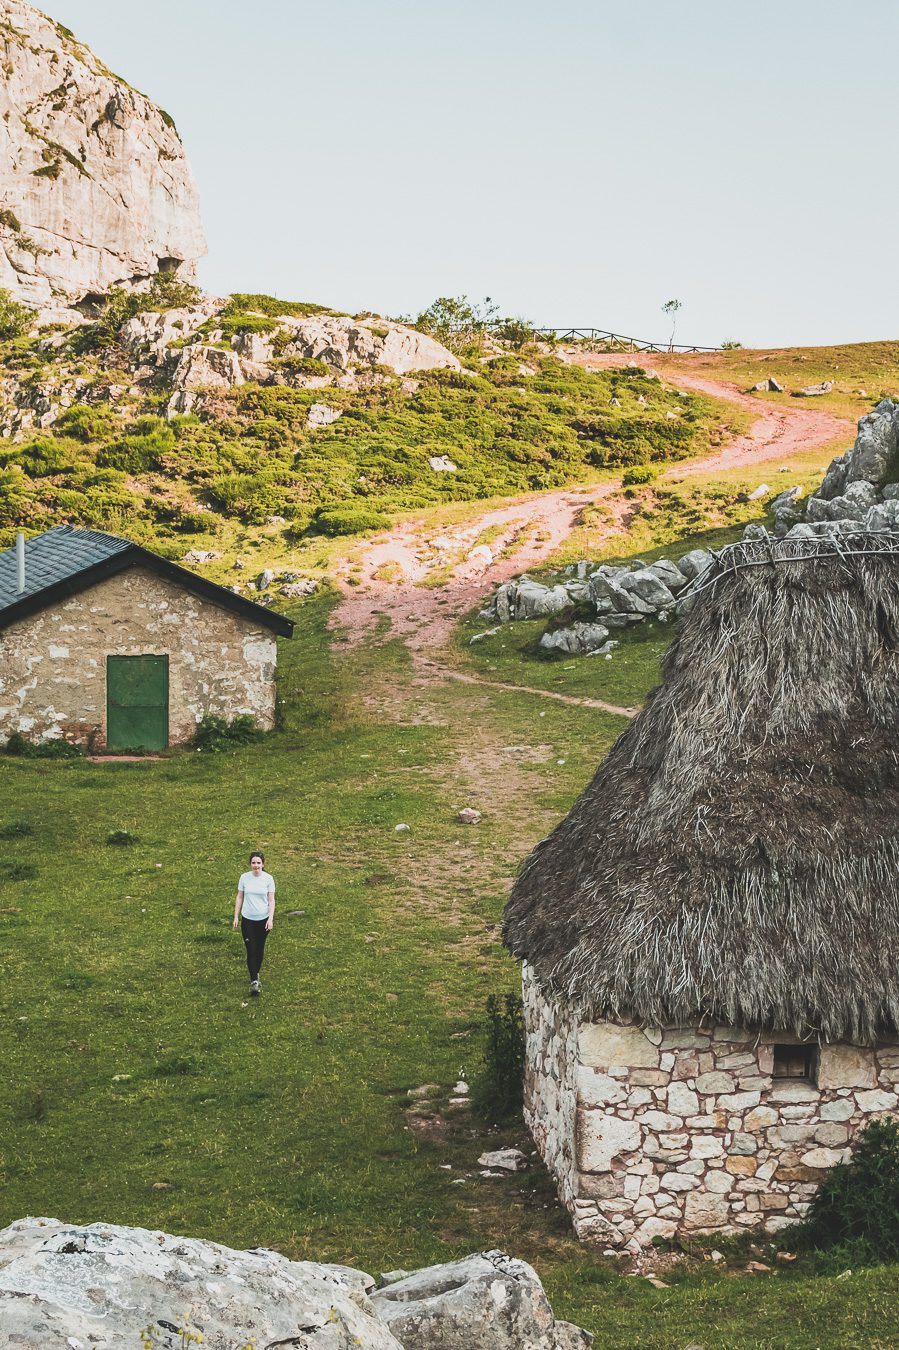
[(606, 594), (94, 180), (769, 386), (321, 415), (485, 1302), (151, 334), (669, 574), (442, 464), (100, 1285), (202, 367), (534, 601), (296, 590), (648, 593), (342, 342), (787, 498), (761, 491), (695, 562), (579, 639), (884, 516), (814, 390), (876, 451)]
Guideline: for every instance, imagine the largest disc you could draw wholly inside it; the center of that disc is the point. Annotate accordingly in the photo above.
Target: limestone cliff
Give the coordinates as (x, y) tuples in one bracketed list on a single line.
[(95, 188)]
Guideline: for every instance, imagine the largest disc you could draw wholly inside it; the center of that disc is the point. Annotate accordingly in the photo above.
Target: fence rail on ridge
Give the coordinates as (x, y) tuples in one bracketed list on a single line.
[(618, 341)]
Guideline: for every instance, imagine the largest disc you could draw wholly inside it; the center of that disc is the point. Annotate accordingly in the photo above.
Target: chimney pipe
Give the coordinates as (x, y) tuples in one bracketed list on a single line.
[(20, 561)]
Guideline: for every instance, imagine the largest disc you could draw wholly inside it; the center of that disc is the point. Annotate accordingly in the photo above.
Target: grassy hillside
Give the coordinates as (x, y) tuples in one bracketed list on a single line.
[(112, 461), (862, 372), (143, 1087)]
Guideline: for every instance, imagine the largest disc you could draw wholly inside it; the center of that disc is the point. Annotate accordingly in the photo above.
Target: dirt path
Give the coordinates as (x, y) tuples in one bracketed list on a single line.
[(777, 431), (423, 580)]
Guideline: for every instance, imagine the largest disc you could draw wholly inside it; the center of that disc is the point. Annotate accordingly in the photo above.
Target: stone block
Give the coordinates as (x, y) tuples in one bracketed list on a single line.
[(741, 1060), (714, 1083), (603, 1044), (841, 1109), (760, 1118), (823, 1157), (832, 1133), (661, 1120), (744, 1144), (740, 1166), (677, 1181), (785, 1090), (655, 1227), (876, 1100), (682, 1101), (638, 1097), (683, 1038), (643, 1206), (601, 1138), (703, 1209), (739, 1101), (685, 1066), (846, 1066), (706, 1146), (719, 1183), (600, 1186), (598, 1089), (772, 1200), (648, 1078), (674, 1141)]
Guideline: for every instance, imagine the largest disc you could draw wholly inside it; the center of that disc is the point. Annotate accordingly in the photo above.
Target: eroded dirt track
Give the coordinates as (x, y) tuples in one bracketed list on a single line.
[(417, 581)]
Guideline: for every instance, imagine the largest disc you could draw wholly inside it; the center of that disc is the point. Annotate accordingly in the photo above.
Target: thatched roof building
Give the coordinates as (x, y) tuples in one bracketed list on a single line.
[(736, 857)]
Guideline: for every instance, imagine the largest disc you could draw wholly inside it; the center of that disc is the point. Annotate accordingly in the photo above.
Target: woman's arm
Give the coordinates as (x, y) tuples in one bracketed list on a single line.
[(237, 904), (270, 921)]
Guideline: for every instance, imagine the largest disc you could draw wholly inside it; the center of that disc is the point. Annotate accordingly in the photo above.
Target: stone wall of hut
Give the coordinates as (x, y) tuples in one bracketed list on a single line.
[(652, 1131), (53, 662)]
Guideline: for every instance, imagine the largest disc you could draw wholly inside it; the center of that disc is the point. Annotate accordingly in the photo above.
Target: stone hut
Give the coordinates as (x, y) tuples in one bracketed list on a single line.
[(112, 647), (711, 937)]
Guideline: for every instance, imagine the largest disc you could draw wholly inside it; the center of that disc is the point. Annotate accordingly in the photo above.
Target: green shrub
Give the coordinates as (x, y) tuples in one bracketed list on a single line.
[(221, 733), (121, 838), (17, 871), (517, 332), (241, 301), (338, 520), (303, 365), (857, 1203), (15, 319), (498, 1087), (643, 473), (58, 749), (87, 422)]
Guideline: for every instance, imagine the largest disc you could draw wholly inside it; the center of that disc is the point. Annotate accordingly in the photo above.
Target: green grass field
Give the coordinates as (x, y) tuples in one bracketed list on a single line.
[(142, 1086)]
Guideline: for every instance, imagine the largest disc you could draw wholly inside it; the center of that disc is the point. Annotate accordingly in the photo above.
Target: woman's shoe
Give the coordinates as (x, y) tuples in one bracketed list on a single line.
[(255, 988)]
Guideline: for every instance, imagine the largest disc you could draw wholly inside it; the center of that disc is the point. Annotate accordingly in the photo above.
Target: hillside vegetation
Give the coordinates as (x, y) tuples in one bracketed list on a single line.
[(509, 422)]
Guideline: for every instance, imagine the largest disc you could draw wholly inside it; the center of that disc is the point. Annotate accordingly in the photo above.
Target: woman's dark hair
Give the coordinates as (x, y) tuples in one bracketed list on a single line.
[(257, 853)]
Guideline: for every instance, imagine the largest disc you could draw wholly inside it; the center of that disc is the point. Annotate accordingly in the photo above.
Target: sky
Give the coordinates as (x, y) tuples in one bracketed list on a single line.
[(580, 163)]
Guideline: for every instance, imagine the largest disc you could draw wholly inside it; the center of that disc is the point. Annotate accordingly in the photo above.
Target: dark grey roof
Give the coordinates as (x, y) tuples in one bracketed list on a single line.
[(53, 556), (65, 560)]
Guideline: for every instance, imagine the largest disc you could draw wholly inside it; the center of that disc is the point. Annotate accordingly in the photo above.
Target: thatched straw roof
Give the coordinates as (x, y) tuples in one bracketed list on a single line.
[(737, 854)]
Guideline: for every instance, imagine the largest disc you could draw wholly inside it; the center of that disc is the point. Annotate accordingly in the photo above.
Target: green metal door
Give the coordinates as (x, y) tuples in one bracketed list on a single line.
[(137, 702)]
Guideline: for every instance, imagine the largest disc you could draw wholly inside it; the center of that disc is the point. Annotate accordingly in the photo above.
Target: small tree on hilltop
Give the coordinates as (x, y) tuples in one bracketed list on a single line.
[(456, 321), (671, 307)]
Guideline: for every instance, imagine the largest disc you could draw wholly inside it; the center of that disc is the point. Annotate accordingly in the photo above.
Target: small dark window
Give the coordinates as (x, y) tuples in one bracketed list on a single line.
[(796, 1062)]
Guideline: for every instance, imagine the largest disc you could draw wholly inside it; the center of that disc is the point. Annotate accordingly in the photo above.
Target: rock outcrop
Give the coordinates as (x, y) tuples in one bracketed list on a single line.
[(95, 187), (102, 1285)]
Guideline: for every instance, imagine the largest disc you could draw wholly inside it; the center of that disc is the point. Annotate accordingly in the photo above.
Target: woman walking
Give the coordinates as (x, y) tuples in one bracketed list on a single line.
[(254, 908)]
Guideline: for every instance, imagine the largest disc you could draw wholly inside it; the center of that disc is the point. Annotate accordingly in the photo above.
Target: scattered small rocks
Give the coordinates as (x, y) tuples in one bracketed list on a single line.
[(200, 556)]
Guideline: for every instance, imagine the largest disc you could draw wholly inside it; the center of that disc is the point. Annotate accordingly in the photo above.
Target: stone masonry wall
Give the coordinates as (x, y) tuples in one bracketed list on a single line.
[(686, 1129), (550, 1084), (53, 663)]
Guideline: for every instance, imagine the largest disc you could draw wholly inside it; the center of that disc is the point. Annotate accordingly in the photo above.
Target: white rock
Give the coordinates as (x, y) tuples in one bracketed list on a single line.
[(92, 172), (601, 1138), (468, 816), (876, 1100), (321, 415), (506, 1159), (442, 464), (60, 1281), (761, 491)]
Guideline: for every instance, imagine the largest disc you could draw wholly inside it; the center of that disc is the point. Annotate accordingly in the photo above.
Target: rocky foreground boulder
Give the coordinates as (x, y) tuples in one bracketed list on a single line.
[(94, 181), (99, 1287)]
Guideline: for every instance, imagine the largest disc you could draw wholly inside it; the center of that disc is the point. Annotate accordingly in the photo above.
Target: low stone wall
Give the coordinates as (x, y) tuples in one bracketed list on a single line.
[(53, 663), (687, 1129)]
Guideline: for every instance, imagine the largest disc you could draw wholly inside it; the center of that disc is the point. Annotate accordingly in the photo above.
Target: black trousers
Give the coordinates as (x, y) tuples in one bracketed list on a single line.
[(254, 936)]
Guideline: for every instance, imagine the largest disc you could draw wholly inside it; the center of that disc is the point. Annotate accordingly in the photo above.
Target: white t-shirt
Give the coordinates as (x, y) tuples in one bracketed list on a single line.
[(255, 894)]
